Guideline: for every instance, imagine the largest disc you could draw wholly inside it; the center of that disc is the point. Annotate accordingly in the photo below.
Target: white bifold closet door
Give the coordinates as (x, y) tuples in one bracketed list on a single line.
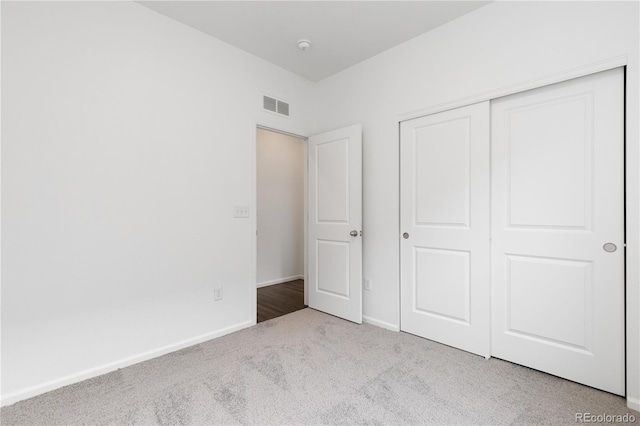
[(445, 225), (558, 229)]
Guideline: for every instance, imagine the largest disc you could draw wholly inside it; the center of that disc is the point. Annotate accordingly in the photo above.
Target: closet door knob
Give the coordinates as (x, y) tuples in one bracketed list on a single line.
[(405, 235), (353, 233)]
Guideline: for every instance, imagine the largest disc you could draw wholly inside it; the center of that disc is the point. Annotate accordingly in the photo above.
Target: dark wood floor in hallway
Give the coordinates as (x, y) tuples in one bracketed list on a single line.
[(280, 299)]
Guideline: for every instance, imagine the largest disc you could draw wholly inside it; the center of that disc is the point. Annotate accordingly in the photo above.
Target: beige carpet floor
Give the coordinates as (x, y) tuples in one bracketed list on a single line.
[(312, 368)]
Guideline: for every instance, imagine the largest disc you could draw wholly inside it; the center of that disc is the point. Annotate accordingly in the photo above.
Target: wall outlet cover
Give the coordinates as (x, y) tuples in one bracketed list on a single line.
[(217, 293)]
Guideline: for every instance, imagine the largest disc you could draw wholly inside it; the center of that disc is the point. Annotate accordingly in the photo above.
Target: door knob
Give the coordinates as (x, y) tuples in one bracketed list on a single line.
[(353, 233), (609, 247), (405, 235)]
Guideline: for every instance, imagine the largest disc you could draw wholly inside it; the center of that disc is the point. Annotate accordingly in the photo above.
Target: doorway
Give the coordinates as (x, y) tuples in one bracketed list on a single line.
[(281, 188), (332, 221)]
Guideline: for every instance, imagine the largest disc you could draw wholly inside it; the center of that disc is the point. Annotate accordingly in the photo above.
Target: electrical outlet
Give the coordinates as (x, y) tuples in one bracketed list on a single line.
[(217, 293), (367, 284)]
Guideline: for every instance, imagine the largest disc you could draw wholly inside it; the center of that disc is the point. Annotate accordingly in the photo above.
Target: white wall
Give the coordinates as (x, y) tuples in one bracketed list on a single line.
[(127, 138), (498, 46), (281, 160), (126, 142)]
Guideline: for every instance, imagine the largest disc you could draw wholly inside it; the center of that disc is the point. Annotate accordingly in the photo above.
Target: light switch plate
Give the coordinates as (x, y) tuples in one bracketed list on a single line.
[(241, 211), (367, 284)]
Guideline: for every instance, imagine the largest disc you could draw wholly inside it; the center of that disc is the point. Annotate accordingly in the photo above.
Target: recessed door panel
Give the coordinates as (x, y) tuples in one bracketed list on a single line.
[(550, 166), (442, 283), (333, 181), (560, 289), (333, 268), (442, 156)]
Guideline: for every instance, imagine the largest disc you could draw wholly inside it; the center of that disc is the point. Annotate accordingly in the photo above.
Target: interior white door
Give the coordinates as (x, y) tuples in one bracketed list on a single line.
[(335, 223), (558, 230), (445, 247)]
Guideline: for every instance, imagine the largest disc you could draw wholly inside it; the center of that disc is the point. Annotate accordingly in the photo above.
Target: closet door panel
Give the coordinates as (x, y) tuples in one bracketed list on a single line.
[(558, 230), (445, 227)]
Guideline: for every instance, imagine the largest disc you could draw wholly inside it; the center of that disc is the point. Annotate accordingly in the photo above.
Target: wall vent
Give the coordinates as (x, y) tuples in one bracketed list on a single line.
[(270, 104), (283, 108), (275, 105)]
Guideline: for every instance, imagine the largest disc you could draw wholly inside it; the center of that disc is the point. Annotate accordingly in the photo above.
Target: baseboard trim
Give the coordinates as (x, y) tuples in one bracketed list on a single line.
[(633, 403), (280, 281), (31, 391), (379, 323)]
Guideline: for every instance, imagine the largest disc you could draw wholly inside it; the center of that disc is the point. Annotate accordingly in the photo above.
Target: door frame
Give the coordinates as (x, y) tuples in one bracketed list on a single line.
[(258, 124), (631, 186)]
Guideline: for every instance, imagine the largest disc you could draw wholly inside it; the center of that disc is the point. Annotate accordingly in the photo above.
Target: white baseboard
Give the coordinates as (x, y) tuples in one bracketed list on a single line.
[(633, 403), (379, 323), (31, 391), (280, 281)]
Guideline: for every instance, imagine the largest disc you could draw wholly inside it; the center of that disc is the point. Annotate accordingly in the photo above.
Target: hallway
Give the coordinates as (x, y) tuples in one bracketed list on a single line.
[(280, 299)]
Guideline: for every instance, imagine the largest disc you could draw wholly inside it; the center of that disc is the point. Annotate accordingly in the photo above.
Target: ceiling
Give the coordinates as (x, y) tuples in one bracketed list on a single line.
[(342, 33)]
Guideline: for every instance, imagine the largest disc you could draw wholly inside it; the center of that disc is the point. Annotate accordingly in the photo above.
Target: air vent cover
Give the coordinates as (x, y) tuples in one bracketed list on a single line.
[(283, 108), (270, 104), (275, 105)]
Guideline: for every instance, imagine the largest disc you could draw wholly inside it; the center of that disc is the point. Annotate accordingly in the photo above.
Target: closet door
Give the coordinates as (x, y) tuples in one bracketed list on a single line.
[(445, 227), (558, 230)]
